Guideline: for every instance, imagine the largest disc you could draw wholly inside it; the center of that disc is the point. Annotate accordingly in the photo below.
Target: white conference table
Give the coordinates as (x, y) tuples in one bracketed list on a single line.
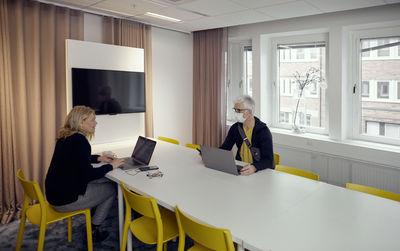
[(269, 210)]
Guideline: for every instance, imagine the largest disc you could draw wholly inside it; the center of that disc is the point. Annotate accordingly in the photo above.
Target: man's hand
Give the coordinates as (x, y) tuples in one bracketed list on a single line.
[(248, 170)]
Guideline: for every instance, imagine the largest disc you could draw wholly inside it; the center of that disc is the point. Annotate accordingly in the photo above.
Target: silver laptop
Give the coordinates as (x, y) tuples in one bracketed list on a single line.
[(219, 159), (141, 154)]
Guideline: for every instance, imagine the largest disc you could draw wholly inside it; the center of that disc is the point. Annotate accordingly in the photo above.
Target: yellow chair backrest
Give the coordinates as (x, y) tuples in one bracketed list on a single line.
[(169, 140), (193, 146), (146, 206), (31, 189), (297, 172), (205, 237), (277, 159), (374, 191)]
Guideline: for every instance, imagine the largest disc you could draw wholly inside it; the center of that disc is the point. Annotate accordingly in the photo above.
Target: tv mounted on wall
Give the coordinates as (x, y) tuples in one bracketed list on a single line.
[(109, 91)]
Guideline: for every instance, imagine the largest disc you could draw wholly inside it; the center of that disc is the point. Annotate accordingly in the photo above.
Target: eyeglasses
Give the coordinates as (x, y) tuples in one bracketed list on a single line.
[(155, 174), (239, 110)]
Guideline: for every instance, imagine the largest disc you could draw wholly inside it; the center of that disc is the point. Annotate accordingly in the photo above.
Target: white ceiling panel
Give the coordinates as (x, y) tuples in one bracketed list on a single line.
[(183, 15), (244, 17), (289, 10), (213, 7), (259, 3), (135, 7), (82, 3), (338, 5)]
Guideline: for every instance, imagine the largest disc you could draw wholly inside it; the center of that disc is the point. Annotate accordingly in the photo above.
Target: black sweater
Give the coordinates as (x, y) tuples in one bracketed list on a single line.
[(70, 170), (261, 138)]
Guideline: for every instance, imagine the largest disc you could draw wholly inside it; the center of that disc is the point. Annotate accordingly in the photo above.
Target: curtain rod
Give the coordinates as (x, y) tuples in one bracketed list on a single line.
[(99, 13)]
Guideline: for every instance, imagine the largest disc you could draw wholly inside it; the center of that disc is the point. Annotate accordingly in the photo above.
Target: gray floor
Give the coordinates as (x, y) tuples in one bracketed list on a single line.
[(57, 238)]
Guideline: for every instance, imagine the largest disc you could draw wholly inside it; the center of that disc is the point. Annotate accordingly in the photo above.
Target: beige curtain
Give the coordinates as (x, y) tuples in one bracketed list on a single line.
[(133, 34), (209, 89), (33, 91)]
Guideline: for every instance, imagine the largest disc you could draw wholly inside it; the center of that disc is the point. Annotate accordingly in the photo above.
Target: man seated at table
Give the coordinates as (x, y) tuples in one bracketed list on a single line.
[(257, 133)]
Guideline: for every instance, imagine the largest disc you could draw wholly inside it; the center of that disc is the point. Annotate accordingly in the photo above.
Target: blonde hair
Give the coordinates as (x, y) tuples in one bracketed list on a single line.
[(73, 121)]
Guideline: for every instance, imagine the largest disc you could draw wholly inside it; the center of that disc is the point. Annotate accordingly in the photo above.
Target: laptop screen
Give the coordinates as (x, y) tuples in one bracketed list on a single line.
[(143, 150)]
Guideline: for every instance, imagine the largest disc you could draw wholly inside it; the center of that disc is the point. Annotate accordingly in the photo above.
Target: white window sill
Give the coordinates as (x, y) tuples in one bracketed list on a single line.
[(361, 151)]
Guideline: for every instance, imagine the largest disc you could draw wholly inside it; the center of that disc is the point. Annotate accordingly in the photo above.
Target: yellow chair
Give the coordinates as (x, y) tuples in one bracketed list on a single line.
[(193, 146), (374, 191), (43, 214), (297, 172), (155, 226), (205, 237), (169, 140), (277, 158)]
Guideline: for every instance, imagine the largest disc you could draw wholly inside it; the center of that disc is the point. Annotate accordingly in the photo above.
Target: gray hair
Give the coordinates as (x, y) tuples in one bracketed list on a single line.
[(248, 102)]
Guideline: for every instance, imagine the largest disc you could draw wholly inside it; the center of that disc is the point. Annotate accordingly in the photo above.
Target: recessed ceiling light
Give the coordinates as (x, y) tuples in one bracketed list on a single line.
[(171, 19)]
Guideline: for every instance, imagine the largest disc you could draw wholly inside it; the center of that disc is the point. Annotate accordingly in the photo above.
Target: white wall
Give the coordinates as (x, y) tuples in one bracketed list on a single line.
[(336, 159), (172, 84)]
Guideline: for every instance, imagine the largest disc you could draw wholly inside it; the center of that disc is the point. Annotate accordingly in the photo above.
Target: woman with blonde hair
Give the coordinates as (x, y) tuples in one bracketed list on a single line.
[(71, 182)]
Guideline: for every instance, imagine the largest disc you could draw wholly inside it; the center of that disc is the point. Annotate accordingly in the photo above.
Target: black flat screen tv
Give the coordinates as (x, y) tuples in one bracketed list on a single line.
[(109, 91)]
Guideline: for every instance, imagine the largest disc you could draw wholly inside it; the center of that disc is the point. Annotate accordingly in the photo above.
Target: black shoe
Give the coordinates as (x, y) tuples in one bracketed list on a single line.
[(98, 236)]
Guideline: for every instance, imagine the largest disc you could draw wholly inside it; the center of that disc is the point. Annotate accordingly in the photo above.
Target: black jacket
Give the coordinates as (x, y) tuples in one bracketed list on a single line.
[(70, 170), (261, 138)]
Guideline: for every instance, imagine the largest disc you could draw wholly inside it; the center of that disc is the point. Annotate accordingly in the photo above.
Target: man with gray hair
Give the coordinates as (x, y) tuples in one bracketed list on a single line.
[(251, 136)]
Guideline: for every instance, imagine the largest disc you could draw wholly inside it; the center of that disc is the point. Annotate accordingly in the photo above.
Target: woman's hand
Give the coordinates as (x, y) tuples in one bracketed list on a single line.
[(106, 158), (116, 162)]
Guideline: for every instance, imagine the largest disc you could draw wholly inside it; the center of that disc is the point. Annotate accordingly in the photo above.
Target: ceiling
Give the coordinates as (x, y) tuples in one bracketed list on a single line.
[(208, 14)]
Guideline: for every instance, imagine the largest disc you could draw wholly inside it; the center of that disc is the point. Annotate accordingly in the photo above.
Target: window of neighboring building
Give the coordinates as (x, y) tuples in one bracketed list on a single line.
[(299, 53), (385, 52), (383, 90), (365, 89), (398, 90)]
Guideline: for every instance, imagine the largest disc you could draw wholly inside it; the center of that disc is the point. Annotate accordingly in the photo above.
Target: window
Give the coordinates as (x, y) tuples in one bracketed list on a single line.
[(309, 100), (365, 89), (376, 111), (383, 90), (240, 73)]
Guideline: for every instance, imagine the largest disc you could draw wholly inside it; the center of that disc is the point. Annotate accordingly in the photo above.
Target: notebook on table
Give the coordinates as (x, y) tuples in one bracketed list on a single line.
[(141, 154), (220, 159)]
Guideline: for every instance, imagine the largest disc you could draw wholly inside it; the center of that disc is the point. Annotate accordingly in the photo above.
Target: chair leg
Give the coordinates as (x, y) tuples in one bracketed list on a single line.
[(165, 246), (69, 229), (125, 234), (42, 233), (89, 230), (21, 232)]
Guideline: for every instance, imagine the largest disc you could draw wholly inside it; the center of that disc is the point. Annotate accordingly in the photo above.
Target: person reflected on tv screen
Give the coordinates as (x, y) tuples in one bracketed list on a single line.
[(108, 105)]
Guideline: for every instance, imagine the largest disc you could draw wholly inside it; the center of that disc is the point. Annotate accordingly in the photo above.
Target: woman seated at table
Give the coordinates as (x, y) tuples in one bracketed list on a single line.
[(71, 182)]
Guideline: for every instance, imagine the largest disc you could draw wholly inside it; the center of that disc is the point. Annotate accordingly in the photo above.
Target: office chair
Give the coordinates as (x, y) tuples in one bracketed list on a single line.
[(169, 140), (374, 191), (193, 146), (43, 214), (297, 172), (155, 226), (205, 237), (277, 158)]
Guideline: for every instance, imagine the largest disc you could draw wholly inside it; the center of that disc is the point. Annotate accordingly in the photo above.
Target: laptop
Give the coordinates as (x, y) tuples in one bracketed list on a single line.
[(141, 154), (220, 159)]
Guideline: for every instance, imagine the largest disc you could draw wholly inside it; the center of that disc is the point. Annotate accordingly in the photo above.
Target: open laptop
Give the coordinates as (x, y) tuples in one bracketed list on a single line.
[(219, 159), (141, 154)]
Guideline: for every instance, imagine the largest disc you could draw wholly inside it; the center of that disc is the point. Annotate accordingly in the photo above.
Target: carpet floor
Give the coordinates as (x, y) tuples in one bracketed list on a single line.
[(57, 237)]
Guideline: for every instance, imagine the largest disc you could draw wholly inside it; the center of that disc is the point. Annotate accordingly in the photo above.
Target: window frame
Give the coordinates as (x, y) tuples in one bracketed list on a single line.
[(297, 39), (355, 82)]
